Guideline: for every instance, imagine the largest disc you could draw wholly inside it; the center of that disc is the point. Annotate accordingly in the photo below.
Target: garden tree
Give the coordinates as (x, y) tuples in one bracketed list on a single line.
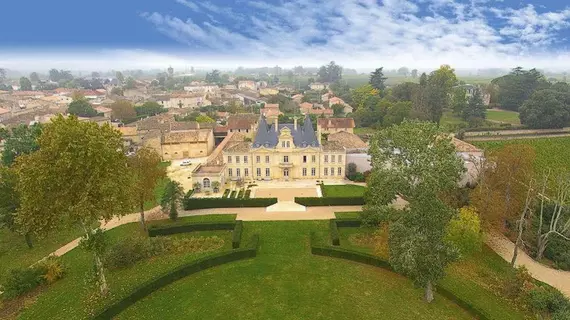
[(439, 85), (81, 108), (338, 109), (130, 83), (397, 113), (117, 91), (216, 186), (330, 73), (403, 71), (123, 110), (554, 214), (521, 222), (54, 75), (204, 119), (414, 73), (361, 94), (546, 109), (341, 90), (351, 169), (95, 74), (416, 161), (372, 113), (120, 77), (517, 86), (61, 76), (173, 194), (23, 139), (197, 187), (214, 76), (464, 232), (459, 100), (79, 175), (503, 184), (10, 202), (475, 108), (377, 80), (420, 99), (25, 84), (404, 91), (147, 171), (34, 77)]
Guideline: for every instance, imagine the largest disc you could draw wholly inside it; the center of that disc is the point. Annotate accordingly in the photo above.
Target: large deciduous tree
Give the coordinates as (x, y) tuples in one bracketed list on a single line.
[(81, 108), (361, 94), (149, 108), (377, 80), (439, 85), (79, 175), (34, 77), (330, 73), (475, 108), (147, 171), (25, 84), (21, 140), (516, 87), (546, 109), (123, 110), (10, 202), (417, 162)]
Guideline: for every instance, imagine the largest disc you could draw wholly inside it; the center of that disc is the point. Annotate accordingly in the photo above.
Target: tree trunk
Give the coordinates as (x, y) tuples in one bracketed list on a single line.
[(28, 240), (429, 292), (541, 248), (515, 254), (103, 286), (143, 224)]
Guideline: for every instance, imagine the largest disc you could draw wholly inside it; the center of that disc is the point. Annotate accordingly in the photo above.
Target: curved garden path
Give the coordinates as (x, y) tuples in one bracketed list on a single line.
[(499, 243), (504, 247)]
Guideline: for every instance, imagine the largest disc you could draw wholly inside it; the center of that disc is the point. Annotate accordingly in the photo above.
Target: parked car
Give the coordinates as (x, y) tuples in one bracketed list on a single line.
[(185, 163)]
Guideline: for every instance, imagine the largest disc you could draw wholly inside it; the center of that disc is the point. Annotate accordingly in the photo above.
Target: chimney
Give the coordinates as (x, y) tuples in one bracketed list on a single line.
[(295, 123), (319, 135), (277, 124)]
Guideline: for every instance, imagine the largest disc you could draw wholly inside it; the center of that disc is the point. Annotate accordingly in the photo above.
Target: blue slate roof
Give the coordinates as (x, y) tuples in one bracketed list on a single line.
[(304, 136)]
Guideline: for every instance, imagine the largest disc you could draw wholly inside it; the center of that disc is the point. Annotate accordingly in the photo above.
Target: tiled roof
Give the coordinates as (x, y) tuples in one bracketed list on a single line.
[(271, 112), (303, 137), (347, 140), (337, 123), (208, 169), (184, 125), (128, 131), (271, 106), (186, 136), (238, 147), (332, 146), (241, 121), (216, 157), (462, 146), (103, 109), (306, 105)]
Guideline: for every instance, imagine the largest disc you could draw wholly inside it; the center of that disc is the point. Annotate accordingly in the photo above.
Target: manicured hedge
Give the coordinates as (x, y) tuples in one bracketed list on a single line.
[(340, 201), (226, 193), (247, 194), (233, 194), (348, 223), (236, 235), (162, 230), (336, 252), (335, 238), (240, 194), (185, 270), (205, 203)]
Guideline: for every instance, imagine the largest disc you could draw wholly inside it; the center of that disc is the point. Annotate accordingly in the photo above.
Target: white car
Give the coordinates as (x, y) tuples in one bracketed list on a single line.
[(185, 163)]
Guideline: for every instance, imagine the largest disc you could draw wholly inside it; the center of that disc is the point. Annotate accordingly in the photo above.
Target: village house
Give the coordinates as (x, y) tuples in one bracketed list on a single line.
[(187, 144), (242, 123), (268, 91), (247, 85), (4, 114), (298, 98), (271, 111), (105, 111), (316, 109), (210, 88), (334, 125), (336, 100), (317, 86), (182, 100)]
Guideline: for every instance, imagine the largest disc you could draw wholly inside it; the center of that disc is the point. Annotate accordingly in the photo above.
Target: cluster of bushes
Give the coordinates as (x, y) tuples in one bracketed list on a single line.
[(22, 280), (340, 201), (353, 175), (185, 270), (558, 251), (129, 251), (205, 203)]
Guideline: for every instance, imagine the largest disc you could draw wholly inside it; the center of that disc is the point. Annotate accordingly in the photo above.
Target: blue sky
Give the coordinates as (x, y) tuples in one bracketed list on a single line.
[(356, 33)]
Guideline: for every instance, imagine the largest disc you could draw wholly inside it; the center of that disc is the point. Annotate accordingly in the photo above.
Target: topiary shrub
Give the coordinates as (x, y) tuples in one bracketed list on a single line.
[(236, 235), (127, 252), (547, 300), (52, 269), (562, 314)]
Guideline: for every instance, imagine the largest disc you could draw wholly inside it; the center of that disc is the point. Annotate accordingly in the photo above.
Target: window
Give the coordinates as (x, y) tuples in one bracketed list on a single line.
[(333, 158), (326, 158), (339, 171), (267, 172), (206, 183), (285, 159), (282, 144), (339, 158), (313, 172), (237, 159), (332, 171), (229, 159), (326, 171), (266, 159), (257, 159), (238, 173), (285, 172), (230, 172), (245, 159), (288, 144), (246, 172), (258, 172), (304, 159), (314, 158), (304, 172)]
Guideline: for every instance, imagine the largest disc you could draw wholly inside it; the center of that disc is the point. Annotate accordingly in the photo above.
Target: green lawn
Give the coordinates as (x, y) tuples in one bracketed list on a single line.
[(551, 153), (69, 297), (348, 190), (286, 282), (503, 116)]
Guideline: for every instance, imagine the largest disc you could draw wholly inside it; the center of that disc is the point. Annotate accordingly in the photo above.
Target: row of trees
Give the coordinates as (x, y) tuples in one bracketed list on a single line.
[(76, 173)]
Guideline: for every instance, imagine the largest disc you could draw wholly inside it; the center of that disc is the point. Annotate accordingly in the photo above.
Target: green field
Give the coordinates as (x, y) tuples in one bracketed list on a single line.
[(348, 190), (503, 116), (551, 153)]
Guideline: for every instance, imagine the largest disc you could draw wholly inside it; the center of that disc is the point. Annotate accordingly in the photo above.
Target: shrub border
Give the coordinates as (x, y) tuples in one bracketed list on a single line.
[(335, 224), (206, 203), (236, 226), (329, 201), (185, 270)]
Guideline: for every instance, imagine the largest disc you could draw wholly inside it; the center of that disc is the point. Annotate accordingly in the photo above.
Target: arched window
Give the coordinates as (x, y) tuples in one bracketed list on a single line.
[(206, 183)]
